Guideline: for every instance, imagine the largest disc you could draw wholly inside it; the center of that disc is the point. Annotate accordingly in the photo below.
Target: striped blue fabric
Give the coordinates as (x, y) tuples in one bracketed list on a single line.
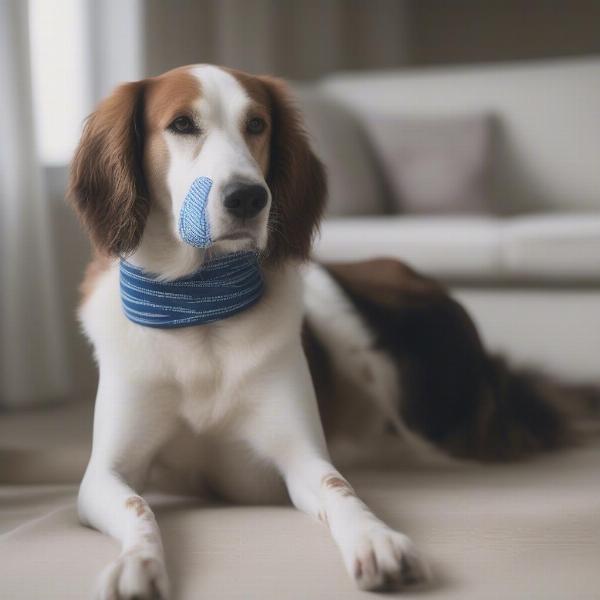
[(194, 227), (223, 287)]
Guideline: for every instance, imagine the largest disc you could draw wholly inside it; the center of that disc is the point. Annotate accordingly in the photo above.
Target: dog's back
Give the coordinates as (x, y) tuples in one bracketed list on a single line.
[(380, 320)]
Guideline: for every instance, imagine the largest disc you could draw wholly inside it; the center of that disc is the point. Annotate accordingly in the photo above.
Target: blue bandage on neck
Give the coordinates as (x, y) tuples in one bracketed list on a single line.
[(223, 287), (194, 227)]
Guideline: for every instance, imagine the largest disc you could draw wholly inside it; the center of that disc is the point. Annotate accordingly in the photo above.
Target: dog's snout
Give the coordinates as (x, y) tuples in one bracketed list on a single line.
[(245, 200)]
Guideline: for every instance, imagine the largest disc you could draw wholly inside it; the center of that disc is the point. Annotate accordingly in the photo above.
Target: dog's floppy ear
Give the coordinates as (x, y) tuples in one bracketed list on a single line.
[(107, 186), (295, 177)]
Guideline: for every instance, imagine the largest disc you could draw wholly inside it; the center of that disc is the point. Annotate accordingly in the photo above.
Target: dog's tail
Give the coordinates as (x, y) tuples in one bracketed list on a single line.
[(522, 412), (453, 392)]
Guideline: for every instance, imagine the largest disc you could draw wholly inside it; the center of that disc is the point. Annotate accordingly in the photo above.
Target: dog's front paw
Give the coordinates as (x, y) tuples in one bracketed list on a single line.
[(134, 575), (381, 558)]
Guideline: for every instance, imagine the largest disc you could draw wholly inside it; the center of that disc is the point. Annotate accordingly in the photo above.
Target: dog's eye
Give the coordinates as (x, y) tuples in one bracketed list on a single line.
[(183, 125), (256, 126)]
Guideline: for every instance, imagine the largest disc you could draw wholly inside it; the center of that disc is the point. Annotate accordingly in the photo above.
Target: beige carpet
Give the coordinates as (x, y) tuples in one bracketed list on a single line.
[(527, 531)]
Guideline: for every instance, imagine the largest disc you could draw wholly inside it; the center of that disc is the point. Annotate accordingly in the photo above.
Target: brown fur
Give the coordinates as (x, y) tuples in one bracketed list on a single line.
[(386, 282), (107, 185), (169, 96), (333, 482), (452, 391), (345, 410), (323, 377), (120, 141), (296, 179), (259, 145), (136, 503)]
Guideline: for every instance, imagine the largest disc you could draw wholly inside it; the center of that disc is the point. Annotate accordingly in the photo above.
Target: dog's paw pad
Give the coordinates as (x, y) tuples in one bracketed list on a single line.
[(385, 559), (134, 576)]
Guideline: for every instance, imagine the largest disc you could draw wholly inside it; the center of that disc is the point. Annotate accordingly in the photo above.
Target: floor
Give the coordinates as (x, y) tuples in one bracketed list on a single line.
[(527, 531)]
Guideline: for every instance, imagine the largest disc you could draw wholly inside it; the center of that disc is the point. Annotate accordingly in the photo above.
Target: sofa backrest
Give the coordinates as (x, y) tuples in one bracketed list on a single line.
[(355, 186), (547, 139)]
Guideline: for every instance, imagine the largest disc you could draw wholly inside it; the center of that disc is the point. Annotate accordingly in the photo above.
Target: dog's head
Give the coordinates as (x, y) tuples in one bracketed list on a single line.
[(151, 141)]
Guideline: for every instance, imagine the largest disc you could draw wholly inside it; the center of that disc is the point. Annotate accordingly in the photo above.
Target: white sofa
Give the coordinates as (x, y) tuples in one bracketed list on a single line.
[(529, 269)]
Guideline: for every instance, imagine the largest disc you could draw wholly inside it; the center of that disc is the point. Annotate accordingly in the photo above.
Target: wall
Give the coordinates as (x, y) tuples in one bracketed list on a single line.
[(299, 40), (470, 31), (310, 38)]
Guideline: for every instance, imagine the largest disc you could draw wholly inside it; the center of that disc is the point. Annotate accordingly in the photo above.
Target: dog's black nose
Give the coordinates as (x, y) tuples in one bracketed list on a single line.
[(244, 200)]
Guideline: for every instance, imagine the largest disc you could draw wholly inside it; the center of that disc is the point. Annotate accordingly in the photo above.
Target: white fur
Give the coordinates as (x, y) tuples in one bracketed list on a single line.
[(194, 400), (353, 350)]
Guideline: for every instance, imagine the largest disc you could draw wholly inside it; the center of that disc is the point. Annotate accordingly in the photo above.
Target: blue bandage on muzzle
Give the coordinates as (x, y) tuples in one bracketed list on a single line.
[(194, 227)]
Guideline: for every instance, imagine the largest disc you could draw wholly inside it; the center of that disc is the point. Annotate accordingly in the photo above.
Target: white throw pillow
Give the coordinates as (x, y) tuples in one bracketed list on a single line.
[(434, 165)]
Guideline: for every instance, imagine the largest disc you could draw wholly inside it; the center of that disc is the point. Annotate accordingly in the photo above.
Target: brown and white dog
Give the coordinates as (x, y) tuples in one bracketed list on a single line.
[(231, 405)]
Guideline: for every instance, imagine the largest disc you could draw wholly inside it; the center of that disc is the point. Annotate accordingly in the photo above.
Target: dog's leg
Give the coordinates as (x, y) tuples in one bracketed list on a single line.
[(130, 423), (285, 428)]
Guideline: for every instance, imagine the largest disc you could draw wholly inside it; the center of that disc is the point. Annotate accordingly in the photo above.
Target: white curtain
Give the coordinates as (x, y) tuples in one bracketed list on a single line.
[(43, 357), (33, 366)]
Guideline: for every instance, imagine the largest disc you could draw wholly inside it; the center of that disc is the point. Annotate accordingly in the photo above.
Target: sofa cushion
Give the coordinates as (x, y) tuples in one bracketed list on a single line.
[(353, 183), (462, 247), (559, 248), (434, 165)]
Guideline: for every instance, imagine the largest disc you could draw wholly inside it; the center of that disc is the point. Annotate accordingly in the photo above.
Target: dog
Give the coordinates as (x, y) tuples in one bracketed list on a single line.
[(177, 173)]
